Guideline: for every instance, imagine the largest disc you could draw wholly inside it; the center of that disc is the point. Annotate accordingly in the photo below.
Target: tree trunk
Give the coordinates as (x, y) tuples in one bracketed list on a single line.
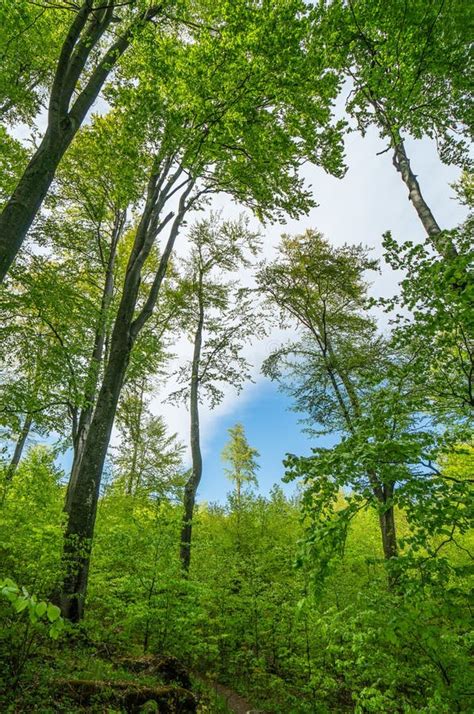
[(441, 242), (382, 492), (389, 538), (19, 446), (134, 477), (93, 372), (85, 495), (83, 37), (194, 480), (21, 209)]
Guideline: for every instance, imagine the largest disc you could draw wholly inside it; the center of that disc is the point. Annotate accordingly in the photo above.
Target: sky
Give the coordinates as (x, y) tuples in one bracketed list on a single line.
[(358, 208)]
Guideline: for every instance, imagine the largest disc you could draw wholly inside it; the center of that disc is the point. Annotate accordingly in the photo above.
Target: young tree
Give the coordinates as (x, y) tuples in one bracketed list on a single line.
[(147, 460), (219, 318), (241, 459)]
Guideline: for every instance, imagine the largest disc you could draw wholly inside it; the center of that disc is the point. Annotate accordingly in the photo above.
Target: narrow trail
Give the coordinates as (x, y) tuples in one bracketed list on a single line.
[(234, 701)]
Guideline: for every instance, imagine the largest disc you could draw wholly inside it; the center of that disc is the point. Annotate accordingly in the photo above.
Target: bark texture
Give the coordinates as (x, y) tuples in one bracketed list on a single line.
[(441, 242)]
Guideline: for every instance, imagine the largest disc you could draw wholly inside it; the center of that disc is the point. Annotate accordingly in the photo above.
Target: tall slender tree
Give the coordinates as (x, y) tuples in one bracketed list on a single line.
[(324, 290), (410, 76), (219, 318)]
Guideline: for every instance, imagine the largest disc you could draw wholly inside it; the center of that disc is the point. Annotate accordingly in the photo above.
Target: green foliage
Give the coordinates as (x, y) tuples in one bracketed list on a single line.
[(214, 309), (31, 523), (28, 48), (410, 67), (37, 610), (439, 327), (148, 459), (23, 629), (353, 596), (246, 616), (241, 459)]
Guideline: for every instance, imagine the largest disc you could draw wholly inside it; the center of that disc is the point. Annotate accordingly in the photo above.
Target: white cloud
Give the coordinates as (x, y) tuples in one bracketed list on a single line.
[(359, 208)]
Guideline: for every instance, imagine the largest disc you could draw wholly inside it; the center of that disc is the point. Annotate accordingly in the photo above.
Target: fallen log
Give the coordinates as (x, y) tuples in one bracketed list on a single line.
[(170, 699)]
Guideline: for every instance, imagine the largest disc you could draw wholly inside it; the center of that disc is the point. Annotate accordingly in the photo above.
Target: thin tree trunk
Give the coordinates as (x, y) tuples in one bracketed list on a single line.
[(97, 359), (389, 538), (441, 242), (387, 524), (84, 499), (19, 446), (134, 477), (194, 480), (383, 493)]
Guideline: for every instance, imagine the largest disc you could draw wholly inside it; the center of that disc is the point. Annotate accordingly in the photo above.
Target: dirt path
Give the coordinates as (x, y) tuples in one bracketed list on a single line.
[(234, 701)]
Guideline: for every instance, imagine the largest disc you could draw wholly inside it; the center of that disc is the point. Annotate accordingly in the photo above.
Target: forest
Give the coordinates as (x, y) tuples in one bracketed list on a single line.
[(155, 157)]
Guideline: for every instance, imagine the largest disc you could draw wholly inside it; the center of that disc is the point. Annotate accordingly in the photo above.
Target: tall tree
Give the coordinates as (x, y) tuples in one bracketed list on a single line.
[(98, 35), (352, 381), (324, 290), (219, 319), (100, 180), (237, 127), (411, 75), (66, 292)]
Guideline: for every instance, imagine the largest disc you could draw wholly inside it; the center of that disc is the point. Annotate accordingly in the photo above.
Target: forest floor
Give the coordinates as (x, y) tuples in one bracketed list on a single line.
[(85, 679)]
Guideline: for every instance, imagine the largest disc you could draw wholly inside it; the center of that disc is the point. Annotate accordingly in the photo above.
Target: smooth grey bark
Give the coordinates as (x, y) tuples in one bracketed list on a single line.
[(194, 480), (441, 242), (84, 499), (19, 446), (97, 358), (84, 35)]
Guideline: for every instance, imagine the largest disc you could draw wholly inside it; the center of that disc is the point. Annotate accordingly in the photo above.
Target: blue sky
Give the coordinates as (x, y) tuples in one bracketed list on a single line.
[(270, 427)]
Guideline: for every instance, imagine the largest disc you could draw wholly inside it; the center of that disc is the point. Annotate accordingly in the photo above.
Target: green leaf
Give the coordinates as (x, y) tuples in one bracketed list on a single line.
[(20, 604), (53, 612), (41, 608)]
